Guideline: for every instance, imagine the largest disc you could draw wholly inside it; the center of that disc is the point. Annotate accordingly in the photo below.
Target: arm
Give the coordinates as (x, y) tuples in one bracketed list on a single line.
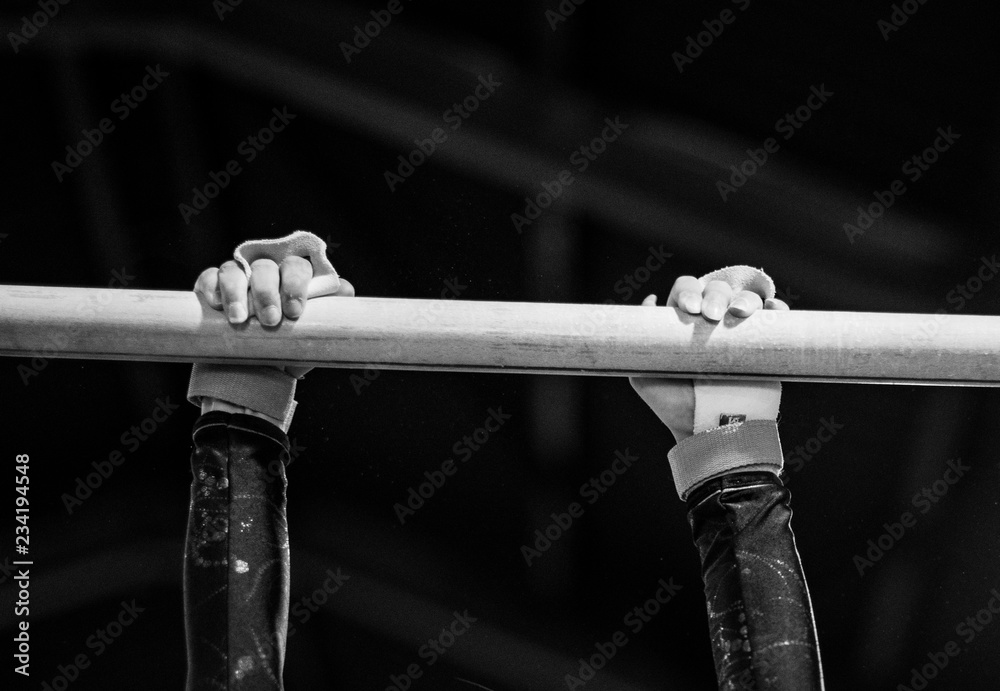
[(726, 466), (236, 561), (759, 611), (236, 564)]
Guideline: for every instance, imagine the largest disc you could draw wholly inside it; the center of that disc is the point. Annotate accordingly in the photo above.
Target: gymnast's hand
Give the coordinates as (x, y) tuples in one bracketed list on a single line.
[(272, 292), (673, 400)]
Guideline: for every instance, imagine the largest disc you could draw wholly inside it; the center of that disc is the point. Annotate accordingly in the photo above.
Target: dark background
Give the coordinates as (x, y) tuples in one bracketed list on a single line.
[(655, 186)]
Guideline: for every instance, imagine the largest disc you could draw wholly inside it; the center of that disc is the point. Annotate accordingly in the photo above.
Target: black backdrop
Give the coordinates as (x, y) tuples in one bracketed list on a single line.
[(655, 190)]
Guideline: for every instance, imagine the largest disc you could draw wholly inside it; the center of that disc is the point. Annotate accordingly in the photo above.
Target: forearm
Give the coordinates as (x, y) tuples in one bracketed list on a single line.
[(236, 565), (760, 615)]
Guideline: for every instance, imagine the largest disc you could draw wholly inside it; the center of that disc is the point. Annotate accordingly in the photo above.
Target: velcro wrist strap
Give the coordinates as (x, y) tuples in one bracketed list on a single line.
[(264, 389), (751, 445)]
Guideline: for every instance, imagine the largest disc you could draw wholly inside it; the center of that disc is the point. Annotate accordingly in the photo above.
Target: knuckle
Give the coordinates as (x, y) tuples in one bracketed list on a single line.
[(262, 264), (204, 280)]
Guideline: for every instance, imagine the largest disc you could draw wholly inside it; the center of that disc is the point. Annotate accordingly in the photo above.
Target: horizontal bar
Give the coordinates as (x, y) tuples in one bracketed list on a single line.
[(541, 338)]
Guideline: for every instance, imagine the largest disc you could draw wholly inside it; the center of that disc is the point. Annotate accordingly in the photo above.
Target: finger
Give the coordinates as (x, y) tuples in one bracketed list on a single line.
[(775, 304), (207, 287), (296, 273), (745, 303), (686, 294), (346, 289), (649, 301), (715, 300), (265, 280), (233, 288)]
